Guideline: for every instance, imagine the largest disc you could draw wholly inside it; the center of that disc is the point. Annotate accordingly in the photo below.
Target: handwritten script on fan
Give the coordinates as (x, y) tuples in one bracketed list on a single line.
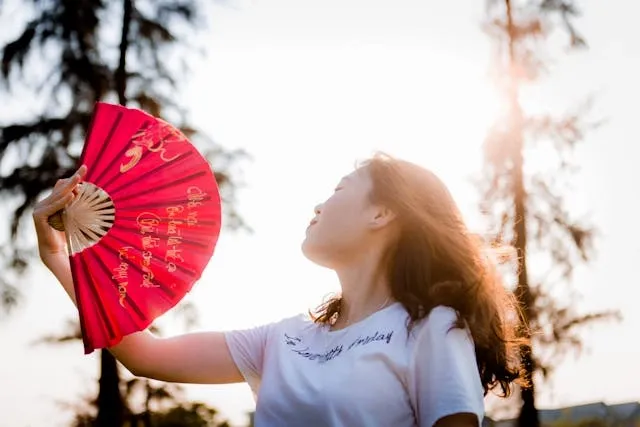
[(155, 138), (159, 235), (121, 273)]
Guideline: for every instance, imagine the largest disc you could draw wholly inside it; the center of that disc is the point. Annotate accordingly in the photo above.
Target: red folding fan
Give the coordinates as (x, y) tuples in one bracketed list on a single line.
[(143, 226)]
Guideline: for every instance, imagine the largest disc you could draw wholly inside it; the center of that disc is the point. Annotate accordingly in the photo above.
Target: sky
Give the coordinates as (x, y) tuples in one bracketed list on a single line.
[(307, 87)]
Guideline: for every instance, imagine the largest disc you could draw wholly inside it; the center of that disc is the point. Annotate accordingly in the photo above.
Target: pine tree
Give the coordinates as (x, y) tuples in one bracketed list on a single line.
[(527, 207)]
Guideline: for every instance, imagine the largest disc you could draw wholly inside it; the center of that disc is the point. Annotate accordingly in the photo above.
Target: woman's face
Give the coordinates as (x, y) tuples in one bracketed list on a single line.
[(343, 224)]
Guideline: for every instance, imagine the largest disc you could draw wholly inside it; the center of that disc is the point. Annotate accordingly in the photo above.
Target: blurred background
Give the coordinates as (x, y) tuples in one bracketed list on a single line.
[(525, 108)]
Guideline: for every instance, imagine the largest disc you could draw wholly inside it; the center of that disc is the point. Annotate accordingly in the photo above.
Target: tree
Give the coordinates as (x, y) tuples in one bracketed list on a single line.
[(162, 406), (190, 415), (155, 393), (82, 61), (527, 207)]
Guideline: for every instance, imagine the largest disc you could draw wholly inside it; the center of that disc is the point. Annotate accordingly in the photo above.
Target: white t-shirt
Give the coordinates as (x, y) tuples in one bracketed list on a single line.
[(371, 373)]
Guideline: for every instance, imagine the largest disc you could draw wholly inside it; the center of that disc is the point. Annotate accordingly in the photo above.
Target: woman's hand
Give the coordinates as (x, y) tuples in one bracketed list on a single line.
[(52, 243)]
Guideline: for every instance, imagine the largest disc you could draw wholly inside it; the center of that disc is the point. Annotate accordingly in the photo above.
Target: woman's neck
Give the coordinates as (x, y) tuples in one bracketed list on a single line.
[(364, 292)]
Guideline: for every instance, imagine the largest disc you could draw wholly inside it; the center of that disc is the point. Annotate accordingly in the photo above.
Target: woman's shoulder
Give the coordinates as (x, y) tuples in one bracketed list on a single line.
[(440, 320), (440, 335), (442, 316)]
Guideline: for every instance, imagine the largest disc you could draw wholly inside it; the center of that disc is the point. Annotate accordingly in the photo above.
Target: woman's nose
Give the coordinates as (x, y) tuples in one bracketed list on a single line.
[(317, 209)]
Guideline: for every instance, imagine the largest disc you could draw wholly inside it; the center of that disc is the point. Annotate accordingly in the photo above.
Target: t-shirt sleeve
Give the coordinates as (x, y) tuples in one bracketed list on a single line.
[(443, 374), (248, 348)]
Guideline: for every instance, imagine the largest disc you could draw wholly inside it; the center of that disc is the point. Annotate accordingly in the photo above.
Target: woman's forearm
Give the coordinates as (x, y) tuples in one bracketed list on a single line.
[(59, 265)]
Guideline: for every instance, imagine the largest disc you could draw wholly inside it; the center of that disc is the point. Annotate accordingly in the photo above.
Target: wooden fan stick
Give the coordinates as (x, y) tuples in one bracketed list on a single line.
[(87, 219)]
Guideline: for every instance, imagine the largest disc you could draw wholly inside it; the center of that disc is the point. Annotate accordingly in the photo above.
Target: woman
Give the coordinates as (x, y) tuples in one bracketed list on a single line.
[(420, 332)]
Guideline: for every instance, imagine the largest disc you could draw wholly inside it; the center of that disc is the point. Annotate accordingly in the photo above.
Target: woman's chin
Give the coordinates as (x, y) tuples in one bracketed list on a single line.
[(305, 246), (313, 253)]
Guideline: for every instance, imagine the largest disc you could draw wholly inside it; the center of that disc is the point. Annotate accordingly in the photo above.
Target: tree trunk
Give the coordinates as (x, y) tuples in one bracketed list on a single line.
[(111, 405), (528, 416), (110, 402), (121, 72), (528, 413), (147, 405)]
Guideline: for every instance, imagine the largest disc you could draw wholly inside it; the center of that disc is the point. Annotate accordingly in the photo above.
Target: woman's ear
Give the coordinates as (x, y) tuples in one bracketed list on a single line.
[(382, 217)]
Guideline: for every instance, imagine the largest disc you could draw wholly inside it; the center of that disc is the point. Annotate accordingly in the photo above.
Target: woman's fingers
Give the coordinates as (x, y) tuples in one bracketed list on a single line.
[(64, 186), (48, 207), (68, 184), (62, 194), (82, 171)]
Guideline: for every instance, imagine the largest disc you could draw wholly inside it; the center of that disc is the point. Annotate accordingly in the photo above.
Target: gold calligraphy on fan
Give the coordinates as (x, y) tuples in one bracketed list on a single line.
[(173, 254), (151, 227), (195, 196), (156, 139), (147, 272), (121, 273), (148, 224)]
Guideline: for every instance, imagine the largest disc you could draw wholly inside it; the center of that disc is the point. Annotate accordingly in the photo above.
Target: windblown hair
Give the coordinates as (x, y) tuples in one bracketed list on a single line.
[(435, 260)]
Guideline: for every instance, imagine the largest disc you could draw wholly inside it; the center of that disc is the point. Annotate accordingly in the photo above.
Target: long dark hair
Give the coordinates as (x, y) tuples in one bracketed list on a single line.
[(435, 260)]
